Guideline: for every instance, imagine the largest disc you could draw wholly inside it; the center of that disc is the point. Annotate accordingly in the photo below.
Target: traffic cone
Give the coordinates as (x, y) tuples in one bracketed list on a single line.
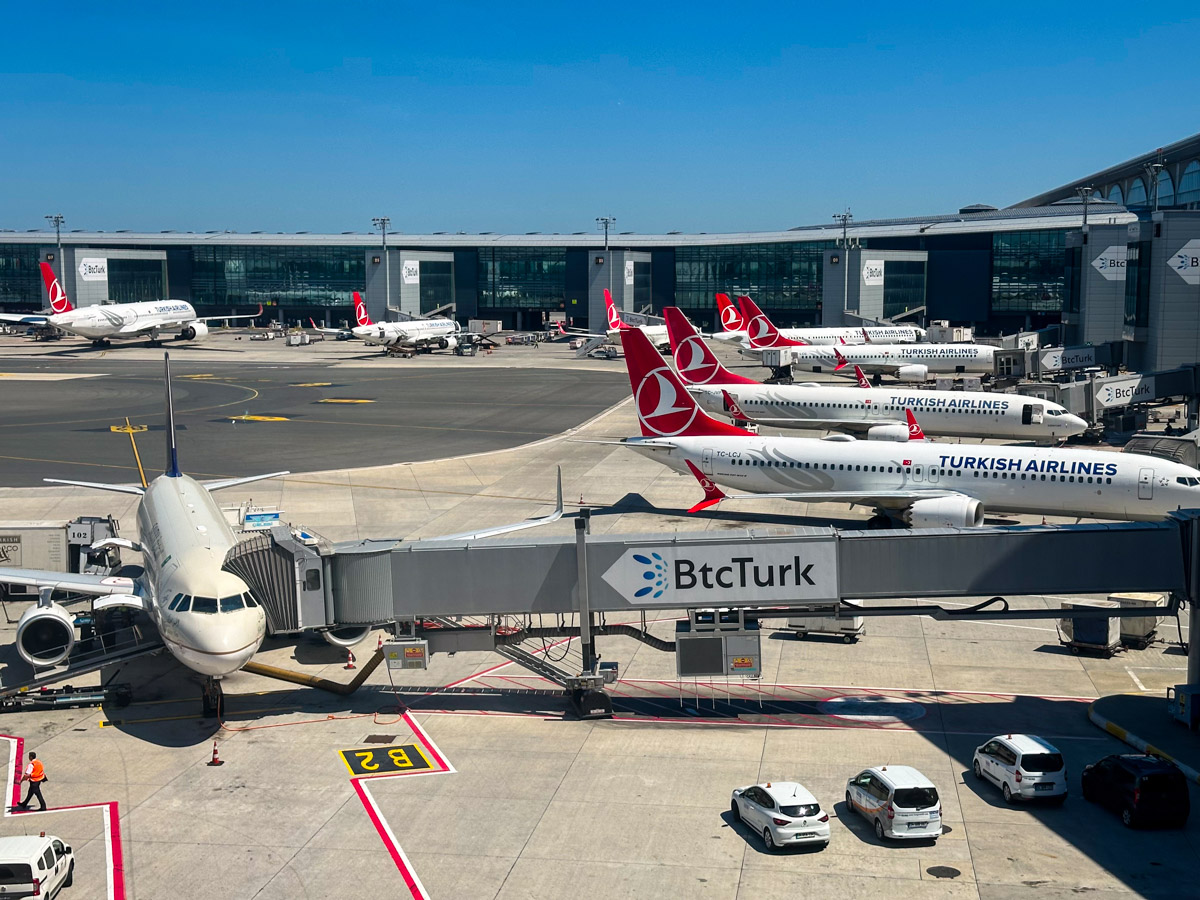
[(349, 660), (216, 760), (379, 646), (1043, 520)]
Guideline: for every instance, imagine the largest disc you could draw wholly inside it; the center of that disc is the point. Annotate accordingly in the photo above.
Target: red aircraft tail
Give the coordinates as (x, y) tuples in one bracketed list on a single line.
[(842, 362), (694, 359), (664, 407), (614, 315), (861, 378), (731, 316), (761, 330), (58, 297), (712, 494), (914, 427), (360, 310)]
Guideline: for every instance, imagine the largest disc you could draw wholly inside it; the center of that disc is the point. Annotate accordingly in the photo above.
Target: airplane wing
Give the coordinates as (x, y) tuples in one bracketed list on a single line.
[(23, 318), (323, 330), (518, 526), (97, 585), (835, 424), (229, 318)]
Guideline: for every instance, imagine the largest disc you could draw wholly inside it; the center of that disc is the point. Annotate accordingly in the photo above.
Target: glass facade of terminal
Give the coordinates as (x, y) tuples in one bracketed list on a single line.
[(1028, 272), (300, 277), (522, 278), (903, 286), (785, 278), (437, 284), (1137, 285), (20, 280), (135, 280)]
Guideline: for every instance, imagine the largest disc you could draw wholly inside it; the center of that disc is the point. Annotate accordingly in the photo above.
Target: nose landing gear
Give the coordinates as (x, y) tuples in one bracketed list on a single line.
[(212, 698)]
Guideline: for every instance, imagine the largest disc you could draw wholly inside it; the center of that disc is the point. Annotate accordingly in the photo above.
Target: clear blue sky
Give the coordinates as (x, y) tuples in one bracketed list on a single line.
[(540, 117)]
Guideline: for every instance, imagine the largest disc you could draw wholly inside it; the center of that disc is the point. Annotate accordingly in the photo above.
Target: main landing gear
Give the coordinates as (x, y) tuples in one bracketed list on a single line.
[(213, 698)]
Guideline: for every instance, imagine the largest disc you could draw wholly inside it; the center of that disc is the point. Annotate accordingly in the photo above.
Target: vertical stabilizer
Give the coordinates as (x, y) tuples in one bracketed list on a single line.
[(172, 470)]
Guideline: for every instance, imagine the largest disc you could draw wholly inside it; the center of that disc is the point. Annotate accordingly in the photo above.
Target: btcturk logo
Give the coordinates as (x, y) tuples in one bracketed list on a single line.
[(700, 366), (660, 406), (731, 319), (656, 574)]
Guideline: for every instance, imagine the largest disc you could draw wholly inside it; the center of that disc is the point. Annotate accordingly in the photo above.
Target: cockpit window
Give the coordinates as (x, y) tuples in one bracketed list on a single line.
[(1054, 412), (250, 601), (175, 603), (229, 604), (184, 603), (1189, 480), (207, 605)]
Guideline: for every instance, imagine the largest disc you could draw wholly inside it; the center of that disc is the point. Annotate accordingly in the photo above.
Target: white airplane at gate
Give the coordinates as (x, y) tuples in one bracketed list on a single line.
[(918, 482), (906, 362), (617, 327), (153, 319), (877, 413), (736, 327)]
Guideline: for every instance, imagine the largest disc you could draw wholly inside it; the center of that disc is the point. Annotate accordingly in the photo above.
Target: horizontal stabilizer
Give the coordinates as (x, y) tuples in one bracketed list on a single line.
[(115, 488), (234, 482), (517, 526)]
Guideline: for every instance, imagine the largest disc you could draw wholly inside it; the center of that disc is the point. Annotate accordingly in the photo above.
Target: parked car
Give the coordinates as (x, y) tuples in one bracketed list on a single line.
[(35, 866), (784, 813), (1142, 789), (1024, 767), (898, 800)]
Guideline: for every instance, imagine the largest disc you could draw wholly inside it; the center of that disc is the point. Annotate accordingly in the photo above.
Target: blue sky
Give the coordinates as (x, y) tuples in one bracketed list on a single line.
[(540, 117)]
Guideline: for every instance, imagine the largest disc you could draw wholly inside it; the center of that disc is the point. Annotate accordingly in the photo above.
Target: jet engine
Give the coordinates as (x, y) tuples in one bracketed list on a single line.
[(347, 635), (887, 433), (45, 634), (913, 373), (448, 343), (945, 512), (197, 331)]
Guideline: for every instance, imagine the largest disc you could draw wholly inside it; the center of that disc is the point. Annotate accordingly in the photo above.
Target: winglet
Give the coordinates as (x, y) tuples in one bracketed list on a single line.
[(861, 378), (914, 427), (172, 451), (561, 330), (733, 409), (842, 362), (712, 494), (58, 297)]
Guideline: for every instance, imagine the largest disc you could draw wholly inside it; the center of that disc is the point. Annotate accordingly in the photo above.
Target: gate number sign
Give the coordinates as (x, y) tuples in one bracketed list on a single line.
[(385, 760)]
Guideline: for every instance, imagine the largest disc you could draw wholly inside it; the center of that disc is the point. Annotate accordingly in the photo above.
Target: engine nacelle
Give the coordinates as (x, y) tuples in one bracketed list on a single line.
[(945, 512), (347, 635), (887, 433), (45, 635), (448, 343), (913, 373), (197, 331)]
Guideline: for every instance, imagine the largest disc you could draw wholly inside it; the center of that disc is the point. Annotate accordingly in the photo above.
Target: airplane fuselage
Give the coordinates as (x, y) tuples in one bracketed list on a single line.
[(877, 334), (126, 320), (948, 413), (1088, 483), (414, 332), (184, 538), (893, 358)]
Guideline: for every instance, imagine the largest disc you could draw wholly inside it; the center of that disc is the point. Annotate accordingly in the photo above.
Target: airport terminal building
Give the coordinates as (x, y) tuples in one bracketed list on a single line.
[(1135, 276)]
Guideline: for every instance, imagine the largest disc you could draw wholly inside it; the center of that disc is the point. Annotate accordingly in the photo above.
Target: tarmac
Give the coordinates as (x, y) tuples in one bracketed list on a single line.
[(484, 788), (1141, 720)]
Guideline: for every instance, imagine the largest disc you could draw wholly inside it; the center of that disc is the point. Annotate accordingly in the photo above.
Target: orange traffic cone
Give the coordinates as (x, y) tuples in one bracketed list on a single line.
[(216, 760), (379, 646), (1043, 520), (349, 660)]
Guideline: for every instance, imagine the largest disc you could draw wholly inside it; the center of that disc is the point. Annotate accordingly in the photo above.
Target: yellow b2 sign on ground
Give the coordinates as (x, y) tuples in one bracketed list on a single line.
[(385, 760)]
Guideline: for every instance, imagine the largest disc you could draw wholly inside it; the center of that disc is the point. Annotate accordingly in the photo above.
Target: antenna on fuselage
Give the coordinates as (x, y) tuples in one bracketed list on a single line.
[(172, 470)]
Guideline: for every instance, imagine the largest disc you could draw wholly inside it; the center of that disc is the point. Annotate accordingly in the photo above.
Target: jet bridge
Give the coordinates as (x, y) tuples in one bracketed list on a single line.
[(424, 588)]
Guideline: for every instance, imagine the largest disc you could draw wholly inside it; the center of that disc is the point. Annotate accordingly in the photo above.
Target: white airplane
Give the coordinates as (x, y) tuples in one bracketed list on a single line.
[(153, 319), (418, 334), (905, 362), (618, 327), (919, 483), (208, 618), (877, 413), (736, 326)]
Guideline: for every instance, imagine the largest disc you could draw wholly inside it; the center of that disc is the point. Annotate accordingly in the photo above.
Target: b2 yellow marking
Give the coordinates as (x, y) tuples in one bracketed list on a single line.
[(249, 418), (343, 400), (386, 760)]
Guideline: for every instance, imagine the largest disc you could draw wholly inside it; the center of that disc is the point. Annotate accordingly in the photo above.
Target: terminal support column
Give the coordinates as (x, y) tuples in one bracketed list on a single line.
[(585, 612)]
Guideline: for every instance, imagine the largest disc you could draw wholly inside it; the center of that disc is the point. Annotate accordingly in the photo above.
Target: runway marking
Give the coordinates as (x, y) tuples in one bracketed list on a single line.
[(206, 375), (439, 766), (1136, 680), (250, 418), (109, 812), (50, 376), (344, 400), (314, 384)]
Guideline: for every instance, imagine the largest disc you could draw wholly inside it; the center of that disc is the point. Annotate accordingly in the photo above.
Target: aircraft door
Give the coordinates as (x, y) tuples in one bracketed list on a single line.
[(1031, 414), (706, 461), (917, 474), (934, 475), (1145, 484)]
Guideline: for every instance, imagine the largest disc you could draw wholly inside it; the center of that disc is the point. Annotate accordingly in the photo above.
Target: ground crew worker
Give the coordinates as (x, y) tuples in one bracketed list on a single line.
[(35, 774)]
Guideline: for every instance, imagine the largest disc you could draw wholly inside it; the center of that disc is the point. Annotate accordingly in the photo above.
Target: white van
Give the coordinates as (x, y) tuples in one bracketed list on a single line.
[(1024, 766), (35, 866), (898, 800)]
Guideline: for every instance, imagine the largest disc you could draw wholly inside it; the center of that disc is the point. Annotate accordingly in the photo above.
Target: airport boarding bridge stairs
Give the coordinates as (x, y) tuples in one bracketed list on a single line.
[(492, 594)]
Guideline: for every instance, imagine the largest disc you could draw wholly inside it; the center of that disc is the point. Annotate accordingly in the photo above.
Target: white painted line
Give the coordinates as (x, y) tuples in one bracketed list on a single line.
[(1136, 680)]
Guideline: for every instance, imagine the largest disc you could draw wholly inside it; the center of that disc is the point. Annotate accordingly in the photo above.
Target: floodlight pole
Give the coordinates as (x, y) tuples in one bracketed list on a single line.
[(606, 222), (844, 218), (1085, 194), (57, 221), (382, 223)]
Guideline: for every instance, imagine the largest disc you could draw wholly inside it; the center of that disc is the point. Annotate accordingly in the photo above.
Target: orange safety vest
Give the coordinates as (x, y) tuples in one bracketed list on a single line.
[(38, 773)]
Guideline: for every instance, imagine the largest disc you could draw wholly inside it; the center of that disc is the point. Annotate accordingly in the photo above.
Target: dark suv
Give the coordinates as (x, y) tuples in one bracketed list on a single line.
[(1144, 790)]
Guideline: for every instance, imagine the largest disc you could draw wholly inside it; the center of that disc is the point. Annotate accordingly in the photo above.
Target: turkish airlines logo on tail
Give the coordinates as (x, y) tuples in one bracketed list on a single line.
[(861, 378), (914, 428), (695, 361), (614, 317), (58, 297), (360, 310), (731, 319), (662, 407), (732, 407), (763, 332)]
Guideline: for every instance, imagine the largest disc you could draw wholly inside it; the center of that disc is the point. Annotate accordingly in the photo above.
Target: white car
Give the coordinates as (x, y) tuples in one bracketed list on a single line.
[(35, 866), (898, 800), (784, 813), (1024, 766)]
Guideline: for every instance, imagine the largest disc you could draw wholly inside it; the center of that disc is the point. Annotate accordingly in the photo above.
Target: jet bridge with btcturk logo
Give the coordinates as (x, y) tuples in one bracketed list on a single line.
[(493, 594)]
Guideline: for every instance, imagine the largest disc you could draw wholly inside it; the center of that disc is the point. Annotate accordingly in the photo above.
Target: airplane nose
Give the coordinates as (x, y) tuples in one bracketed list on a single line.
[(1075, 424)]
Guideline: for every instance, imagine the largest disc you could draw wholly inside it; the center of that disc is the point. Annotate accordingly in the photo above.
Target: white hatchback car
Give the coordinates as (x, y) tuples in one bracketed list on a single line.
[(898, 800), (1024, 766), (784, 813)]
